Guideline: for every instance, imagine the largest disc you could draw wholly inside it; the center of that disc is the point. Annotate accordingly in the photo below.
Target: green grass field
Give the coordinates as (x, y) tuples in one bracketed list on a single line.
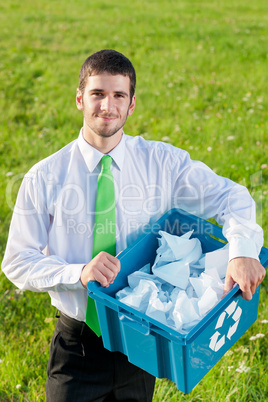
[(202, 86)]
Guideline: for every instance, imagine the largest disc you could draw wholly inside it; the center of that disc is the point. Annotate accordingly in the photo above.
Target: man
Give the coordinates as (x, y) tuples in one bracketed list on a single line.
[(50, 243)]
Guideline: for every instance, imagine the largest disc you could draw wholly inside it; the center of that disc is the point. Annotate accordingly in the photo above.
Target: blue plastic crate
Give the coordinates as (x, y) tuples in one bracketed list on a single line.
[(154, 347)]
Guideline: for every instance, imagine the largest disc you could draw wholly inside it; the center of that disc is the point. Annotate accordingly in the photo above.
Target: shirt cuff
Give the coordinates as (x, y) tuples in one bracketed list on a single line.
[(68, 278), (74, 282), (241, 247)]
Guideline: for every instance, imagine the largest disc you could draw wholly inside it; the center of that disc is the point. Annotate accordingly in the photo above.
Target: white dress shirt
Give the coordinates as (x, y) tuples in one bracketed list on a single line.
[(51, 232)]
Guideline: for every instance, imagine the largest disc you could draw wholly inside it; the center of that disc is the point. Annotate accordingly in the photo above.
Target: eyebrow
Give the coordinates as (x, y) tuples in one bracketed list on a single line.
[(102, 90)]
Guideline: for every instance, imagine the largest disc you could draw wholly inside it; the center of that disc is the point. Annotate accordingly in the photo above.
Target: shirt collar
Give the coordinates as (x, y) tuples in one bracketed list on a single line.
[(92, 156)]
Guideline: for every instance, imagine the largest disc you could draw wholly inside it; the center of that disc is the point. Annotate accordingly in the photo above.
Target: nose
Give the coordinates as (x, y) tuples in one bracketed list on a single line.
[(106, 104)]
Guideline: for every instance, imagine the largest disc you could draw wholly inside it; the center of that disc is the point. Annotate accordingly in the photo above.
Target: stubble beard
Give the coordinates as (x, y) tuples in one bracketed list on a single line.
[(106, 131)]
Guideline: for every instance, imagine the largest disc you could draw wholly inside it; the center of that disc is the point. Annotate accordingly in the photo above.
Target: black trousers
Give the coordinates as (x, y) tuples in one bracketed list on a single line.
[(80, 369)]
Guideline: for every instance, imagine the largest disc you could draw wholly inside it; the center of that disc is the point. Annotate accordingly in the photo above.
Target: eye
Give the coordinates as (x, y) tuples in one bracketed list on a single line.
[(119, 96)]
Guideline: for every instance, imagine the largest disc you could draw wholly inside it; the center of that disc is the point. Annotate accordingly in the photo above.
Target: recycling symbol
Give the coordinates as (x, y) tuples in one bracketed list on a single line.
[(233, 311)]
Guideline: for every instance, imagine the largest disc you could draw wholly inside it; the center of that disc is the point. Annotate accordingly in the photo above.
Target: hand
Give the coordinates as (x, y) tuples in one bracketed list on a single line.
[(103, 268), (245, 271)]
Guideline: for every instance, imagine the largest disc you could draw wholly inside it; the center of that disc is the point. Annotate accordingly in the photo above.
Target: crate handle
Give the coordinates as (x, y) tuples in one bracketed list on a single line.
[(134, 323)]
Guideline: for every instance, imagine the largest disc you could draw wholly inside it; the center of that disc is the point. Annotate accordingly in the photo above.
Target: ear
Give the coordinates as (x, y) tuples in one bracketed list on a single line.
[(79, 99), (132, 105)]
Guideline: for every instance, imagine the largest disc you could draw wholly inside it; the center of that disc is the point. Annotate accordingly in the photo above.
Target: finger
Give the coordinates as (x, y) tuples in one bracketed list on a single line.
[(228, 285), (111, 266), (262, 274), (109, 260), (101, 278), (247, 295), (109, 274), (247, 288), (100, 273), (114, 260), (108, 270), (103, 268), (255, 285)]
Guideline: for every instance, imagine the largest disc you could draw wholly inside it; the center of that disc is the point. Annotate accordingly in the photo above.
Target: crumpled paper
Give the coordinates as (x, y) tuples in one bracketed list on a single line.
[(180, 249), (158, 307), (184, 285), (218, 260), (140, 295)]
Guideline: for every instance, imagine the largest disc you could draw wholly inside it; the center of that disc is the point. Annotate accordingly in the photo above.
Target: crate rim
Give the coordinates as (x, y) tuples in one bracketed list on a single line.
[(94, 288)]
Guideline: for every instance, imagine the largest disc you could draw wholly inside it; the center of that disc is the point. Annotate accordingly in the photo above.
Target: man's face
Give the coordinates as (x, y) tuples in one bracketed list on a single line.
[(106, 104)]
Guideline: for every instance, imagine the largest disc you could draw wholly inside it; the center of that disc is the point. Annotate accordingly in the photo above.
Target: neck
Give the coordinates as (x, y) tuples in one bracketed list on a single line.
[(103, 144)]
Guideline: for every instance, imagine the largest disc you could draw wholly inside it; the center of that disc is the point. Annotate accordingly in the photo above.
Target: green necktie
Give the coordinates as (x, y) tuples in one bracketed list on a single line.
[(104, 229)]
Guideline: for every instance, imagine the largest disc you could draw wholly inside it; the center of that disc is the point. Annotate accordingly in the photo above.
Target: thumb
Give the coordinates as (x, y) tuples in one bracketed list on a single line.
[(229, 283)]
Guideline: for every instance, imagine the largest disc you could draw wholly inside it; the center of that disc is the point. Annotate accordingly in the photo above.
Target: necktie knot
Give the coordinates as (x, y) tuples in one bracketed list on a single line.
[(106, 162)]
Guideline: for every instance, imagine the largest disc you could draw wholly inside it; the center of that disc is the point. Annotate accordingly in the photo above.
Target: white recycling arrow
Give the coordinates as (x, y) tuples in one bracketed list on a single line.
[(220, 343), (232, 330), (220, 320), (216, 342), (237, 314), (236, 318), (231, 308)]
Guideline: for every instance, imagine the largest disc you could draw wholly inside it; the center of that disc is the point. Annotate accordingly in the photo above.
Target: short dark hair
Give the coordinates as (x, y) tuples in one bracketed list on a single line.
[(107, 61)]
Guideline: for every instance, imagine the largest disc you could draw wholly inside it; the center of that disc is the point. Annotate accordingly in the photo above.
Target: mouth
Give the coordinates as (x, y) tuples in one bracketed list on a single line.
[(107, 117)]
